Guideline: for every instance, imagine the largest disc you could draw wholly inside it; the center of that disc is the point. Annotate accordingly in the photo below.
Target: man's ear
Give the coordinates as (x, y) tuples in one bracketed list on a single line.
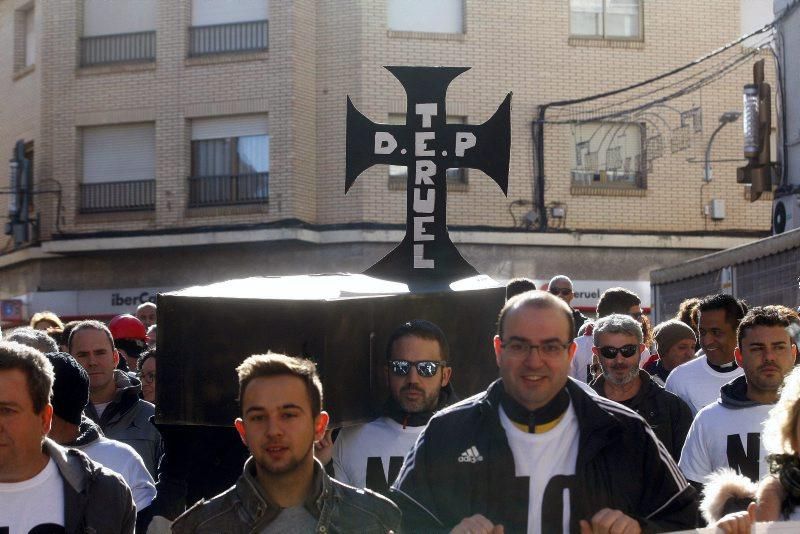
[(498, 349), (737, 353), (447, 372), (321, 425), (46, 418), (116, 357), (239, 424)]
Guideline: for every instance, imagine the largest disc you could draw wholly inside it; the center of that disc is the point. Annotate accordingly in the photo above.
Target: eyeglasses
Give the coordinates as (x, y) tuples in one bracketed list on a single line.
[(148, 378), (636, 315), (611, 352), (425, 368), (563, 291), (521, 349)]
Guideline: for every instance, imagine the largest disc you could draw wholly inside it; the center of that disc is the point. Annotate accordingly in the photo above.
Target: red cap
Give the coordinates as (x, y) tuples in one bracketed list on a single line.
[(127, 326)]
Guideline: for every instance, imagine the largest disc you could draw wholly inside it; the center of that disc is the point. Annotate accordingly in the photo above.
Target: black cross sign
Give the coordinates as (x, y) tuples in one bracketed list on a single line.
[(427, 146)]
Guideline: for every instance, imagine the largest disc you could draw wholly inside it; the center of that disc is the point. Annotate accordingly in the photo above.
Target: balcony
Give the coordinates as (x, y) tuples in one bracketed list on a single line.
[(138, 195), (228, 190), (226, 38), (118, 48)]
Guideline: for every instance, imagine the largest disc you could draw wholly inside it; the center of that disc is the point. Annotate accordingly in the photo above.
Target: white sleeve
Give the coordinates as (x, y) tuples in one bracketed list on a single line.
[(695, 461), (141, 483), (339, 470)]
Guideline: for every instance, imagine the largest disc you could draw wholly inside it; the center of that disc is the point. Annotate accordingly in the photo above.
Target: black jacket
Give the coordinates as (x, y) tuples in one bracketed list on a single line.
[(245, 508), (95, 498), (579, 319), (620, 465), (668, 415)]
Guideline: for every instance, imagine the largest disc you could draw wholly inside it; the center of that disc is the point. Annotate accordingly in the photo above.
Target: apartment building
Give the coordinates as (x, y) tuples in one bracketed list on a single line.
[(170, 144)]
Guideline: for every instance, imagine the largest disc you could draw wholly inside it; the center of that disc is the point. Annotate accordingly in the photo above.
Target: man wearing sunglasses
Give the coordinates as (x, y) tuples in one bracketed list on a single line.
[(561, 286), (613, 300), (618, 345), (371, 455), (535, 453)]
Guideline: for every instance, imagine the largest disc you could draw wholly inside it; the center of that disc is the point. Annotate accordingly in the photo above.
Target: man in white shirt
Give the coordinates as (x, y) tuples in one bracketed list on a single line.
[(370, 455), (44, 487), (71, 428), (727, 433), (698, 381)]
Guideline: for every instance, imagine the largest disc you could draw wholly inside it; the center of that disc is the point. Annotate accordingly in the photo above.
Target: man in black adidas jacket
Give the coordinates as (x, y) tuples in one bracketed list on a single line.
[(507, 455)]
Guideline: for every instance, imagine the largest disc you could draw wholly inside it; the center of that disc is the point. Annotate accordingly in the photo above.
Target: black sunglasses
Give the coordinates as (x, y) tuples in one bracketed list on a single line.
[(611, 352), (425, 368)]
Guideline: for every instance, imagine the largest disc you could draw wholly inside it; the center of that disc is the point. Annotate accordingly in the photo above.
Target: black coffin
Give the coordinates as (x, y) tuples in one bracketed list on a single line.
[(342, 322)]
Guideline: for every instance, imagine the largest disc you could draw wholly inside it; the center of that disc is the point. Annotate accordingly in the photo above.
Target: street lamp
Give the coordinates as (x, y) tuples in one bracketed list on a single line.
[(726, 118)]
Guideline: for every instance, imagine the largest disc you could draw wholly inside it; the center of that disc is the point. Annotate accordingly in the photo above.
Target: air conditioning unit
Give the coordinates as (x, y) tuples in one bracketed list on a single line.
[(785, 214)]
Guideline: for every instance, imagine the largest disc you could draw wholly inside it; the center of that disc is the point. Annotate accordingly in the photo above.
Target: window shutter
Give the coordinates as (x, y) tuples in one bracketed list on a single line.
[(440, 16), (30, 36), (209, 12), (108, 17), (232, 126), (119, 153)]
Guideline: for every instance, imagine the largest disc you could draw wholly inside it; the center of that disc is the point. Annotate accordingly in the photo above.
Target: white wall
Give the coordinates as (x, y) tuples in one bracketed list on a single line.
[(107, 17), (438, 16)]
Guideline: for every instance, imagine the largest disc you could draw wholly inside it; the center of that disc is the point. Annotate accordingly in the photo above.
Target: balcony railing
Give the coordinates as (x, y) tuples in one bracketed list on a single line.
[(228, 190), (138, 195), (226, 38), (118, 48)]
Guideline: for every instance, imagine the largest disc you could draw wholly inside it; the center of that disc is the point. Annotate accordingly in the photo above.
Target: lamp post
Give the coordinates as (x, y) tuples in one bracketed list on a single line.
[(724, 119)]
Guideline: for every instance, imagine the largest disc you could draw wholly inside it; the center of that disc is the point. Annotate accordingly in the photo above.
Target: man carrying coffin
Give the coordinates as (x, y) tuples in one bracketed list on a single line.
[(535, 453)]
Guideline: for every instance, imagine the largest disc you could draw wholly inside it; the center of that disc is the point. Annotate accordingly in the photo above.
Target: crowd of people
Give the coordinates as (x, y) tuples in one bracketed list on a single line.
[(603, 425)]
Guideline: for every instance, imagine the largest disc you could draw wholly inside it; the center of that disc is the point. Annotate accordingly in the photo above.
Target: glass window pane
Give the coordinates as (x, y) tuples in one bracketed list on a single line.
[(586, 17), (253, 151), (213, 157), (622, 18)]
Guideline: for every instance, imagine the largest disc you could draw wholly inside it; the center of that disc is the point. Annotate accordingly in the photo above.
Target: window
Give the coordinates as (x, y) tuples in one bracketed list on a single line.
[(118, 168), (25, 39), (606, 19), (399, 174), (440, 16), (230, 161), (224, 26), (608, 154), (754, 14), (118, 31), (30, 36)]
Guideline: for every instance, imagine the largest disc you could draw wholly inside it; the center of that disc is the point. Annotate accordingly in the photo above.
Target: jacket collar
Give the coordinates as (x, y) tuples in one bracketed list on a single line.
[(647, 388), (88, 432), (125, 397), (262, 509), (72, 469), (598, 427), (734, 394)]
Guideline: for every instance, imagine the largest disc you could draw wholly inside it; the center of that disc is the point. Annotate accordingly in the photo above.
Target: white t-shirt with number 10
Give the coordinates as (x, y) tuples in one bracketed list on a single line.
[(548, 460), (33, 505)]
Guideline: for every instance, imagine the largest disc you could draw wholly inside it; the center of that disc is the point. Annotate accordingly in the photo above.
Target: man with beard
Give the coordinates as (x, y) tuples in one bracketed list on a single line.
[(283, 488), (727, 433), (618, 345), (370, 455)]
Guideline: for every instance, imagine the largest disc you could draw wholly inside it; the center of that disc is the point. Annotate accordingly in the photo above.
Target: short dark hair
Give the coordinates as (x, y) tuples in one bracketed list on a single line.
[(775, 315), (734, 309), (144, 356), (38, 339), (37, 369), (422, 329), (617, 300), (536, 299), (273, 364), (90, 325), (517, 286)]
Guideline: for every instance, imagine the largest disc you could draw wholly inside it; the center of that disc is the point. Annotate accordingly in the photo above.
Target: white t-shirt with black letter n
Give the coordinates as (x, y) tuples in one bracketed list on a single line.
[(34, 505), (548, 460), (726, 437), (371, 455)]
